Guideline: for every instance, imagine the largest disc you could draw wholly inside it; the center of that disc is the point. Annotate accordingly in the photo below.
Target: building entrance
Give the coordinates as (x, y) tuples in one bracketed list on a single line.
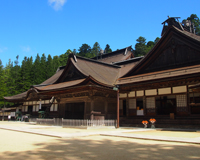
[(166, 105)]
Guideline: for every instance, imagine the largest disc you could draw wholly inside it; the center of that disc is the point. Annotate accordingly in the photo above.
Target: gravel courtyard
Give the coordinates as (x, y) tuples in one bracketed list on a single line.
[(19, 145)]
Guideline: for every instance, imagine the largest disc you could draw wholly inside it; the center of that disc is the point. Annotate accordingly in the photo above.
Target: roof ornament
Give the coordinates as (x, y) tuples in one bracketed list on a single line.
[(188, 25), (101, 52), (75, 58), (171, 21)]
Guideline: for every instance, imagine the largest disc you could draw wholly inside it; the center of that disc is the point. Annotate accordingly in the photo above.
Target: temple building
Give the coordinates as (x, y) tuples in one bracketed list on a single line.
[(164, 84)]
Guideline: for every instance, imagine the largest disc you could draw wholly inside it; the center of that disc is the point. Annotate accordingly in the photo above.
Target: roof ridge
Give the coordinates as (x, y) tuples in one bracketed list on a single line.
[(127, 60), (95, 61), (188, 34), (113, 51)]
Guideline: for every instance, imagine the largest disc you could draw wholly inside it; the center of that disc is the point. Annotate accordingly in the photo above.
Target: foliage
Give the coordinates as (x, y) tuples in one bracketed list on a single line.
[(84, 50), (95, 50), (142, 48), (16, 78), (108, 49), (196, 21)]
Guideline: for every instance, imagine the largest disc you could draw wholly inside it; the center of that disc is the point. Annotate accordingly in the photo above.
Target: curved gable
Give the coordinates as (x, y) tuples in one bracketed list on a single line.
[(175, 49), (70, 73)]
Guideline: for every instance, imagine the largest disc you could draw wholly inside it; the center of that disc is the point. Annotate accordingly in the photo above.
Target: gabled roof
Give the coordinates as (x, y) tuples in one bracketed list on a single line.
[(70, 84), (127, 65), (116, 56), (102, 72), (189, 38)]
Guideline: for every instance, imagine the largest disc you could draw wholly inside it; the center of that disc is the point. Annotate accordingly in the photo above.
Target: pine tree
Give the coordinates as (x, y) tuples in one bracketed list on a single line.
[(84, 50), (43, 68), (49, 65), (108, 49), (95, 50), (36, 69), (2, 84)]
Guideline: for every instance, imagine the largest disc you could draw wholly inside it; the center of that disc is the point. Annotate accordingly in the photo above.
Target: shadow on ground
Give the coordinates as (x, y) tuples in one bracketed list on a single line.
[(100, 147)]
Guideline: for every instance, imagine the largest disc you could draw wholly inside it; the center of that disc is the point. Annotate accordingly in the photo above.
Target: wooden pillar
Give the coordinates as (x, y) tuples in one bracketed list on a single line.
[(117, 108)]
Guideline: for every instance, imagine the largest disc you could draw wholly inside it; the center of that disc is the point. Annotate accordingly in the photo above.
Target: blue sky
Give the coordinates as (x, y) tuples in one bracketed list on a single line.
[(29, 27)]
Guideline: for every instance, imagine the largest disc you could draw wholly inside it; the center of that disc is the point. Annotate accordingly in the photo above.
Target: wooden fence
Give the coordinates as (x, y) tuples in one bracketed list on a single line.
[(77, 123)]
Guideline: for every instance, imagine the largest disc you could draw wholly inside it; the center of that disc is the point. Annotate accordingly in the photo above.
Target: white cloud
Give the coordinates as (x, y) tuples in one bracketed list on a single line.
[(57, 4), (26, 48), (3, 49)]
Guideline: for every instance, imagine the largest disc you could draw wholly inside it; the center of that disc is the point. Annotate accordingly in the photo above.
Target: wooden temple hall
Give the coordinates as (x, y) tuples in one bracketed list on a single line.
[(164, 84)]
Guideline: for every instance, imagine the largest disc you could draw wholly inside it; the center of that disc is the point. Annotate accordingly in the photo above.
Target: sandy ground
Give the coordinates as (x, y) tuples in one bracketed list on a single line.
[(180, 134), (54, 128), (18, 146)]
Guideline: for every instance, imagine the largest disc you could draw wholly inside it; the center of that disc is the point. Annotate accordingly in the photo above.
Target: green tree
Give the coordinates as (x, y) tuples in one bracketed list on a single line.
[(74, 51), (156, 40), (37, 71), (56, 63), (14, 77), (107, 49), (2, 84), (43, 68), (26, 74), (84, 50), (95, 50), (140, 47), (196, 21), (64, 57), (49, 65), (149, 45)]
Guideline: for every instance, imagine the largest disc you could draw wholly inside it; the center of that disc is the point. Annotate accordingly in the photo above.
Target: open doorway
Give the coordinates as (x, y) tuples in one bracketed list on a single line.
[(166, 105)]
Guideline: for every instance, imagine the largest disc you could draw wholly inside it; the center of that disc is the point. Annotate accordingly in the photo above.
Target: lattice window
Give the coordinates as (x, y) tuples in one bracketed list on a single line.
[(181, 100), (132, 103), (150, 102)]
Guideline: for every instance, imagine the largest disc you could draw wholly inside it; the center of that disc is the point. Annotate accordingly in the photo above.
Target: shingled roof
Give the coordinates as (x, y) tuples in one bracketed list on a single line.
[(116, 56), (118, 67), (154, 52), (102, 72), (17, 97)]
